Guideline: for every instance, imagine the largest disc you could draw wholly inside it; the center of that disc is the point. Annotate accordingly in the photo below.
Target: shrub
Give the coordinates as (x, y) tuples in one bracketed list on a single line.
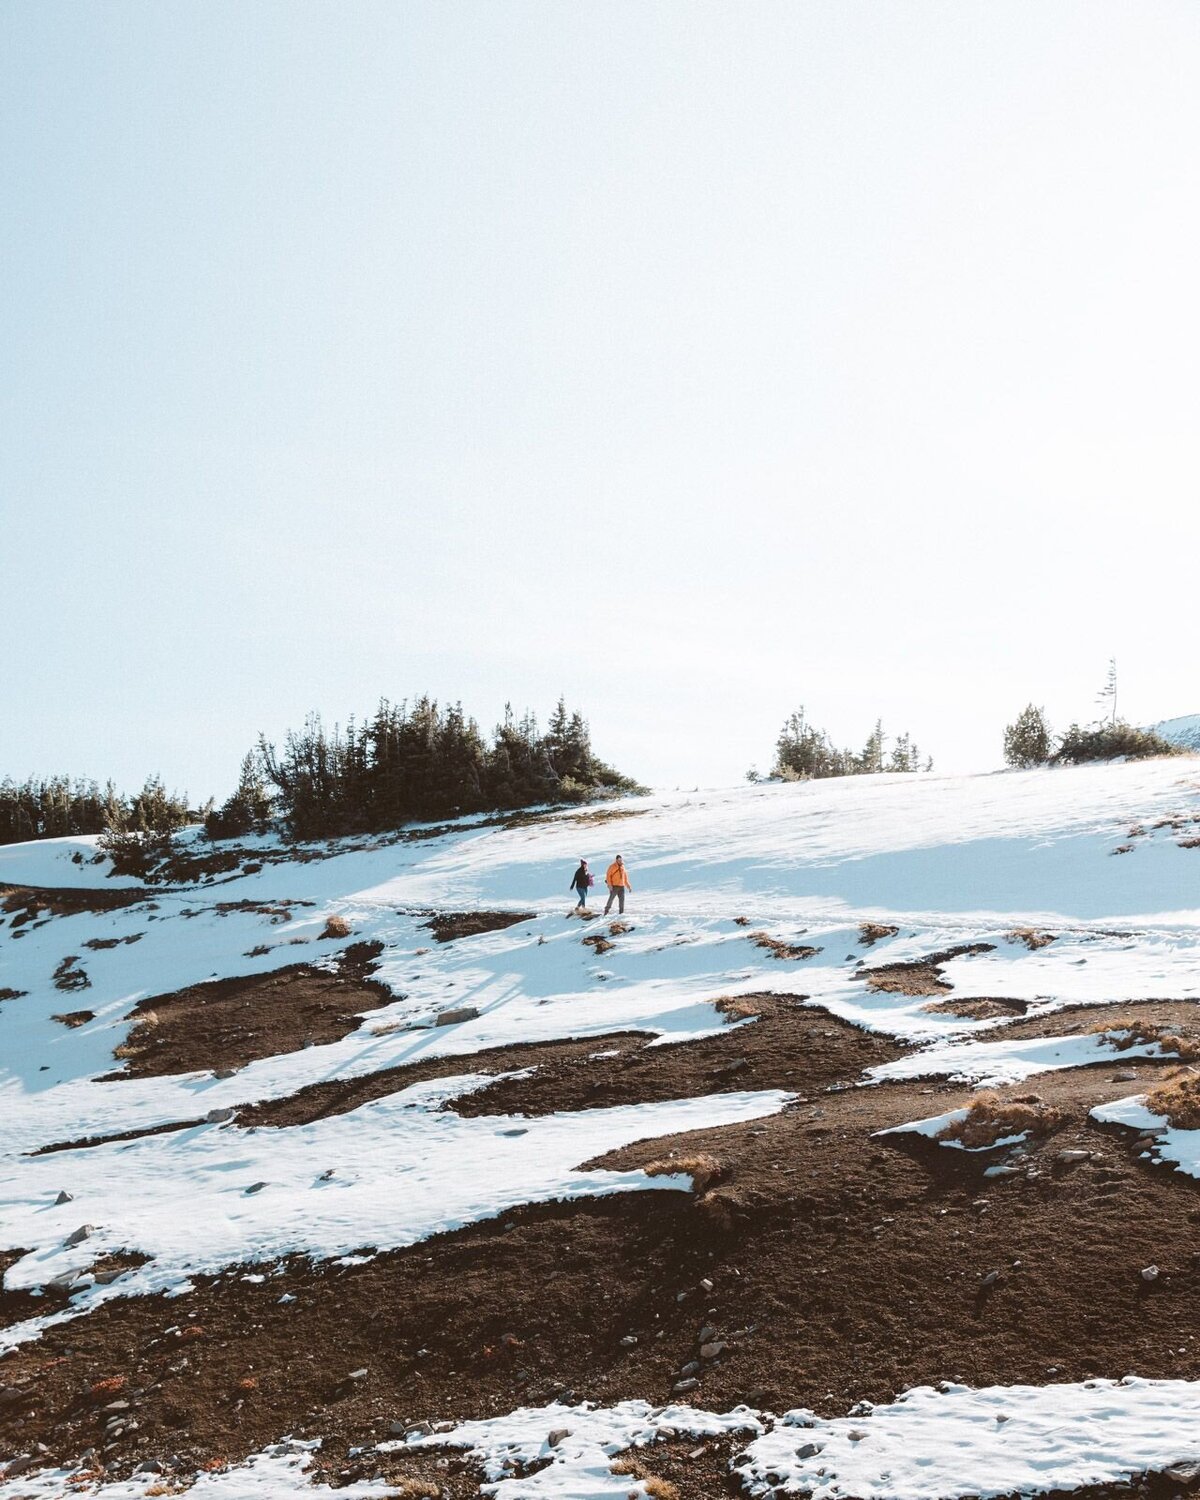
[(990, 1119), (1027, 738), (1178, 1101), (1108, 741)]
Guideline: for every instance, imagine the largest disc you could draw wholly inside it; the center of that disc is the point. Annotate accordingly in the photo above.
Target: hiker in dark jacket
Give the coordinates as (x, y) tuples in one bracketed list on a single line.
[(580, 882)]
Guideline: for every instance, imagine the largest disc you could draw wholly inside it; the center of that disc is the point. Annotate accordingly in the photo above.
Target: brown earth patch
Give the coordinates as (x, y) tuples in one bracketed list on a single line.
[(98, 944), (598, 943), (73, 1018), (9, 994), (230, 1022), (838, 1268), (920, 976), (790, 1044), (448, 925), (777, 948), (1179, 1016), (26, 902), (82, 1143), (872, 932), (982, 1009)]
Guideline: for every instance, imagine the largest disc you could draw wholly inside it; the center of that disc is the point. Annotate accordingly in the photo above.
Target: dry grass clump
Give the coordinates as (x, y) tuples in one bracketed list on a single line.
[(413, 1489), (738, 1007), (920, 976), (777, 948), (1141, 1033), (617, 928), (1178, 1100), (741, 921), (652, 1484), (872, 932), (599, 942), (1031, 937), (704, 1170), (990, 1119), (336, 927)]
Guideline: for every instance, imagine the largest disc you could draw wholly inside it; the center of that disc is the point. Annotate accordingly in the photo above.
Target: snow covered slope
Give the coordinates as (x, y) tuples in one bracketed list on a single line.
[(1104, 861), (1183, 731)]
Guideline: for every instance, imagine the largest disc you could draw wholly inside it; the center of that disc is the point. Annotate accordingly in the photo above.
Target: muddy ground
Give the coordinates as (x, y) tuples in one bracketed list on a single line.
[(831, 1264)]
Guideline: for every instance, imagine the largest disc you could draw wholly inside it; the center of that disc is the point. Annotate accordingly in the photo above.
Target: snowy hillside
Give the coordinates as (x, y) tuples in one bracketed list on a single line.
[(370, 1164), (1184, 731)]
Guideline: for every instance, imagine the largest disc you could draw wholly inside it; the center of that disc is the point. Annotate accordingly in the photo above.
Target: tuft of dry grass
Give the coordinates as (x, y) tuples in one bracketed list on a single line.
[(704, 1170), (872, 932), (1178, 1100), (1142, 1033), (738, 1007), (336, 927), (617, 928), (990, 1118), (413, 1489), (741, 921), (599, 943), (1031, 937), (777, 948)]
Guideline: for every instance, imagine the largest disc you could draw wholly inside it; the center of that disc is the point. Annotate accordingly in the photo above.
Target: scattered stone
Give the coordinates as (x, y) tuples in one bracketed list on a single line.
[(712, 1351), (218, 1116), (629, 1341), (453, 1017), (681, 1387), (1070, 1157), (808, 1450), (706, 1283), (557, 1436), (64, 1197), (990, 1279), (225, 1073), (255, 1187), (358, 1374), (64, 1281), (1150, 1273), (77, 1238), (691, 1368), (1126, 1075), (106, 1278)]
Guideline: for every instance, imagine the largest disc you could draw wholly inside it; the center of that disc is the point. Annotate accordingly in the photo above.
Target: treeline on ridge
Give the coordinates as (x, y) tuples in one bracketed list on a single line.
[(52, 807), (417, 762), (803, 752)]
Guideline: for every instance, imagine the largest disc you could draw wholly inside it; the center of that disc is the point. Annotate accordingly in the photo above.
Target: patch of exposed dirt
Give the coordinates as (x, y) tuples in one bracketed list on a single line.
[(82, 1143), (982, 1009), (36, 905), (920, 976), (872, 932), (98, 944), (448, 925), (777, 948), (10, 994), (230, 1022), (69, 977), (74, 1018), (832, 1266), (1179, 1016), (790, 1046)]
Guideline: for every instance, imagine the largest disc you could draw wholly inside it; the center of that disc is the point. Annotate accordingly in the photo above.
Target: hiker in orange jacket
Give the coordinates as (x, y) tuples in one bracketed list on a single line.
[(616, 877)]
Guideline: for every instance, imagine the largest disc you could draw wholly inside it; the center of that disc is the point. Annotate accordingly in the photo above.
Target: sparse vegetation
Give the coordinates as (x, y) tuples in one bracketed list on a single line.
[(1142, 1034), (1177, 1100), (336, 927), (990, 1119), (426, 762), (777, 948), (1108, 741), (704, 1170), (803, 752), (872, 932), (1031, 937)]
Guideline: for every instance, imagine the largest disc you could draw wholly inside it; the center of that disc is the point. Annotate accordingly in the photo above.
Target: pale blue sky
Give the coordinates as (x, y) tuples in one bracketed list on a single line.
[(695, 360)]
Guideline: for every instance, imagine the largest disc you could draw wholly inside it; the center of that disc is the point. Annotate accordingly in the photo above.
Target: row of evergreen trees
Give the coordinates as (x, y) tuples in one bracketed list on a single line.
[(1029, 741), (803, 752), (413, 762), (59, 806)]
